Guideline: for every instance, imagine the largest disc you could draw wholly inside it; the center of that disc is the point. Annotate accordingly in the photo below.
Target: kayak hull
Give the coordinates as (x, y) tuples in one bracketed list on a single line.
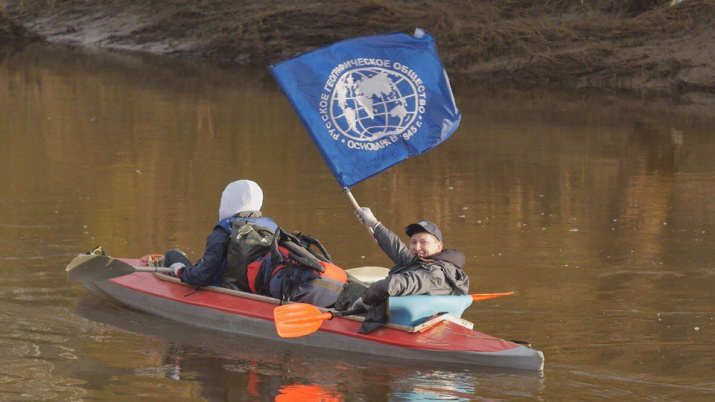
[(251, 315)]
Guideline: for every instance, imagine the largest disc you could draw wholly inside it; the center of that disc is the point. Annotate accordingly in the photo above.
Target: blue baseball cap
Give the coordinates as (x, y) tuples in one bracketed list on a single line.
[(424, 226)]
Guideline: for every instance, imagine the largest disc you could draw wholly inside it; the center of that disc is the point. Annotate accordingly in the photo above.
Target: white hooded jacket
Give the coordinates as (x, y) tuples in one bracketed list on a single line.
[(240, 196)]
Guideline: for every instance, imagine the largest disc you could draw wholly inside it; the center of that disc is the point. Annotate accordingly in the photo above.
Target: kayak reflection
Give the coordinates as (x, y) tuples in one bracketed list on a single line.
[(313, 392), (228, 367)]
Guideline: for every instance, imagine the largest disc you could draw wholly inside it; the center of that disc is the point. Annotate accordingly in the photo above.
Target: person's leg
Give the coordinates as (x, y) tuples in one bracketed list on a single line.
[(176, 255)]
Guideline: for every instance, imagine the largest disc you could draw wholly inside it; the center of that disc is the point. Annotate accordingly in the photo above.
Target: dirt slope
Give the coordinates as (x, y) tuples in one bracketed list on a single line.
[(637, 45)]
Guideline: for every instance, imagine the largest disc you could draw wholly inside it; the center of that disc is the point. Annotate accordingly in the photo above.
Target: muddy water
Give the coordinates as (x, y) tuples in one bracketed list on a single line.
[(597, 209)]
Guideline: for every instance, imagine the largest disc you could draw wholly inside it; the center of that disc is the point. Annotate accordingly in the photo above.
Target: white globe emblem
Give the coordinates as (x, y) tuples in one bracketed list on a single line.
[(374, 102)]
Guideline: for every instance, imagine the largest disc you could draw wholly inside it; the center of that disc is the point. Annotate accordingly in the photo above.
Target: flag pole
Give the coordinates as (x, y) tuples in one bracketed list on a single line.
[(356, 205)]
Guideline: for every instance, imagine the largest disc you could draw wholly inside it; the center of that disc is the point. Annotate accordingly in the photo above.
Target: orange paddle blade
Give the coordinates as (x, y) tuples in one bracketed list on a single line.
[(485, 296), (298, 319), (300, 392)]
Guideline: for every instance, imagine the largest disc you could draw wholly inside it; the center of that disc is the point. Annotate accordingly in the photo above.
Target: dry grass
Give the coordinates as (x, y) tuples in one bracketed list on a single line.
[(550, 40), (467, 31)]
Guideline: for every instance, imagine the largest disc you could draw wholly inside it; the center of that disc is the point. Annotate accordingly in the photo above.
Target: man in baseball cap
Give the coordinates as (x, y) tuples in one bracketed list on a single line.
[(423, 267), (425, 238), (424, 226)]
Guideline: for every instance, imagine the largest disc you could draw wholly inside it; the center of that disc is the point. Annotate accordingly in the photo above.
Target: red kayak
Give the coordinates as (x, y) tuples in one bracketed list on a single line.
[(443, 338)]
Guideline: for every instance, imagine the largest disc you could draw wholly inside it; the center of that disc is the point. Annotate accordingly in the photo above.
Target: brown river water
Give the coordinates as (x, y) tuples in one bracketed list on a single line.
[(597, 209)]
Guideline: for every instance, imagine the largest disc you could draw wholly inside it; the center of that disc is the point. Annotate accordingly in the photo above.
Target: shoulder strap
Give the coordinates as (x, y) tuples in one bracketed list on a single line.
[(328, 285), (307, 241), (297, 252)]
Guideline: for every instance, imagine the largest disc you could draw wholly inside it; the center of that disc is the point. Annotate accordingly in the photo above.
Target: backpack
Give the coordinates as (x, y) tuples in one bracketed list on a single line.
[(248, 242), (292, 271)]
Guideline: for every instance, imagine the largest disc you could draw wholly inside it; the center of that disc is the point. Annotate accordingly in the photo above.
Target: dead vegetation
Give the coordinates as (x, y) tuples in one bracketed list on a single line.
[(605, 43), (9, 30)]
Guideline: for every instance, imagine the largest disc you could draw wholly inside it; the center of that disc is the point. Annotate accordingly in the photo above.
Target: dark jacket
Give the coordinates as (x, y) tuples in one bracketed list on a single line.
[(440, 274), (214, 257)]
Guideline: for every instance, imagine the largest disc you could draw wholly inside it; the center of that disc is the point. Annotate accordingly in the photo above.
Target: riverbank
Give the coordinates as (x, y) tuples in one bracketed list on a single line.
[(636, 45)]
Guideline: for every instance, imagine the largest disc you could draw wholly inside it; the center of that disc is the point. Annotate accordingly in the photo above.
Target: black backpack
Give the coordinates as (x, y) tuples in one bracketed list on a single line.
[(247, 243)]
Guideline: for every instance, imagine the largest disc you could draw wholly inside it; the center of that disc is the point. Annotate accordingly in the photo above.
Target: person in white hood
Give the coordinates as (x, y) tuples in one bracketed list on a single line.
[(242, 201)]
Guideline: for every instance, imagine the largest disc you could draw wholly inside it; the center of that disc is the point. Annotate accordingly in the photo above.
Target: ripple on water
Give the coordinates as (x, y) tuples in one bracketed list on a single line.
[(37, 345)]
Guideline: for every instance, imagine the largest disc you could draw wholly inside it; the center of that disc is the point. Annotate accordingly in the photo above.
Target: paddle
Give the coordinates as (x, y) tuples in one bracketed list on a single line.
[(487, 296), (92, 268), (300, 319)]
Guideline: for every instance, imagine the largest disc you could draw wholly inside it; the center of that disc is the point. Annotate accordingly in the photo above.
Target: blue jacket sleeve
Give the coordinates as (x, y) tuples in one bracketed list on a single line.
[(214, 257)]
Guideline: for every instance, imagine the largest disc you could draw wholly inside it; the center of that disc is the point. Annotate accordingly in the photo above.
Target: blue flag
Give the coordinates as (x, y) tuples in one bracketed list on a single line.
[(371, 102)]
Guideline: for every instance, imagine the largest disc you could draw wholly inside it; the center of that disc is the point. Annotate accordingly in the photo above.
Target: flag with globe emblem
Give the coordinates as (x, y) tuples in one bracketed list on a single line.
[(369, 103)]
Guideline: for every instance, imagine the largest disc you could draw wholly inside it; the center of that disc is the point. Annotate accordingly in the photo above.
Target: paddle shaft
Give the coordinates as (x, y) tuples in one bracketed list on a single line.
[(163, 270), (347, 312), (325, 316)]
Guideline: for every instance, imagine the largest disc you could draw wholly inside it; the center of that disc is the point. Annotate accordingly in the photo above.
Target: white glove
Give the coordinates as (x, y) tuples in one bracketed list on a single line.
[(359, 304), (176, 268), (366, 217)]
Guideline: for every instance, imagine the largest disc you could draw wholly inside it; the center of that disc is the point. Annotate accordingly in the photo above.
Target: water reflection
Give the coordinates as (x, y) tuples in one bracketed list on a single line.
[(219, 366), (597, 209), (312, 392)]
